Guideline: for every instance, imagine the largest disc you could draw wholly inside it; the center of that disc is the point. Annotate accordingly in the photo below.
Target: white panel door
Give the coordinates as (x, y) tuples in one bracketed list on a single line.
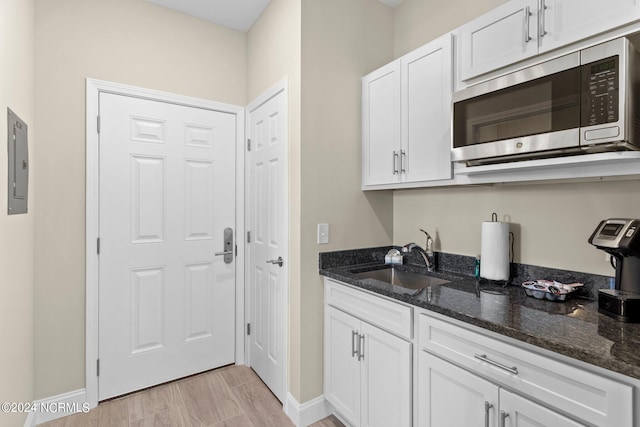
[(450, 396), (268, 248), (521, 412), (167, 192), (386, 379), (381, 126), (426, 101)]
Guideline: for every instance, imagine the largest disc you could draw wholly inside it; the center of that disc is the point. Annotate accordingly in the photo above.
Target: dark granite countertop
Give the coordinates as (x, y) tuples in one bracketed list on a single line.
[(573, 328)]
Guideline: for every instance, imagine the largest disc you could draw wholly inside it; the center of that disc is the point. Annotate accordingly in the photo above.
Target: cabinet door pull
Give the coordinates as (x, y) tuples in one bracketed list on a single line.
[(543, 8), (527, 18), (487, 407), (503, 417), (361, 348), (484, 358), (395, 162), (403, 156), (354, 348)]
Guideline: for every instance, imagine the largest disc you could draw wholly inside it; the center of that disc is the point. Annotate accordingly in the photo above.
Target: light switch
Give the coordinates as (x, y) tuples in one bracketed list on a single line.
[(323, 234)]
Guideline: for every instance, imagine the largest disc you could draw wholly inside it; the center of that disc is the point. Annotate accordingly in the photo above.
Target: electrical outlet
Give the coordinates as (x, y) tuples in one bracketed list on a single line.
[(323, 234)]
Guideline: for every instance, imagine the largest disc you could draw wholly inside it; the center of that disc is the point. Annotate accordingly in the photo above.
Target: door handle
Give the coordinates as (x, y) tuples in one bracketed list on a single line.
[(503, 417), (527, 18), (227, 242), (395, 162), (278, 261), (543, 9), (403, 156), (361, 347), (354, 348), (487, 407)]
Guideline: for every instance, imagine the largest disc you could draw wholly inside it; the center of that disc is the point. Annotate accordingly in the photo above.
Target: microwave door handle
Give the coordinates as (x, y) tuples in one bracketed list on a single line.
[(527, 18)]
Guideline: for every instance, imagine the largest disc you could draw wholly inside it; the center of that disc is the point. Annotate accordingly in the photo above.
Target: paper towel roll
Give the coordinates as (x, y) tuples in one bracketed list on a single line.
[(494, 249)]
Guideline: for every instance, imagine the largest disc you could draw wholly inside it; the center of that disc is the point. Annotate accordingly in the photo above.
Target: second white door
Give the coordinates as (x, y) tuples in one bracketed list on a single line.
[(268, 247), (167, 193)]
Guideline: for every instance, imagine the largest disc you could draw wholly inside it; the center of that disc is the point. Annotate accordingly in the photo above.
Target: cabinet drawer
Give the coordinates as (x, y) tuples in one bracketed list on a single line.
[(388, 315), (578, 393)]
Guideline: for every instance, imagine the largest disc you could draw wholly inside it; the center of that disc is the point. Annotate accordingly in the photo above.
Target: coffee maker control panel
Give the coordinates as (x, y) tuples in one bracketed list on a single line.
[(616, 234)]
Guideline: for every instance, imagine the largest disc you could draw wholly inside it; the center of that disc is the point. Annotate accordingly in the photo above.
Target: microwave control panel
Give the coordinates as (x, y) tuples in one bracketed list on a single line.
[(600, 92)]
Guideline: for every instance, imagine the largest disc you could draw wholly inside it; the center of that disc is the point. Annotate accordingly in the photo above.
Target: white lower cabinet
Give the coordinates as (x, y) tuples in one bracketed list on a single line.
[(473, 379), (451, 396), (516, 411), (368, 370), (379, 373)]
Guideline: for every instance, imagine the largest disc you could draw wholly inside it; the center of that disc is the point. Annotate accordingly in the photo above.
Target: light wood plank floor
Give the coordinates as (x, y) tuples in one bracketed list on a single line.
[(232, 396)]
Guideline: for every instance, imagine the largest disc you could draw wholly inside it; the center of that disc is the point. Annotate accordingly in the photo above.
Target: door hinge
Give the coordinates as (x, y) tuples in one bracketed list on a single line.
[(98, 367), (248, 144), (98, 126), (248, 237), (248, 328), (98, 245)]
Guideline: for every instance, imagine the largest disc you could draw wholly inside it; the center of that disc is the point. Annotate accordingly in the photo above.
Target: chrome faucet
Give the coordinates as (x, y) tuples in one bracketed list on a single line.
[(427, 255)]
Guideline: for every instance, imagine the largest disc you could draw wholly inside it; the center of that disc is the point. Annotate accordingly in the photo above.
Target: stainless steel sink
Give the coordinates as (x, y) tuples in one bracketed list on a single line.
[(404, 279)]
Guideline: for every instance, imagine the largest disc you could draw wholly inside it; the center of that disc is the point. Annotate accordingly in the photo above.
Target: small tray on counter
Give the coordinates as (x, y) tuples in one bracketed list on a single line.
[(549, 289)]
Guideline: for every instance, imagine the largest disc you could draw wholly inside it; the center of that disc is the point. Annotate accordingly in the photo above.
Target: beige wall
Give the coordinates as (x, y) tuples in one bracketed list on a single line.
[(552, 222), (418, 21), (125, 41), (16, 231), (341, 41), (273, 53)]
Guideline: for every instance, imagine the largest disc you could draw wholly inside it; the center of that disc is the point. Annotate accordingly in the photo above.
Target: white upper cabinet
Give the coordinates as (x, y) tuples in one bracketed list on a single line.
[(406, 118), (566, 21), (426, 78), (381, 125), (520, 29), (505, 35)]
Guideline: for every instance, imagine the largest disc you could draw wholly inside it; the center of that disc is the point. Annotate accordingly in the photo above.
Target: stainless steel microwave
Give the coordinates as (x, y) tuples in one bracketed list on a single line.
[(583, 102)]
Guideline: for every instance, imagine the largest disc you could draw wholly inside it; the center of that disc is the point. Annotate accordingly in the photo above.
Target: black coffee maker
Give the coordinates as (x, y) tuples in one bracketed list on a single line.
[(621, 239)]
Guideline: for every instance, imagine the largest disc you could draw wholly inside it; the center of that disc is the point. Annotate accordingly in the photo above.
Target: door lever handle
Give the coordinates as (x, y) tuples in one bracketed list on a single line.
[(278, 261), (227, 242)]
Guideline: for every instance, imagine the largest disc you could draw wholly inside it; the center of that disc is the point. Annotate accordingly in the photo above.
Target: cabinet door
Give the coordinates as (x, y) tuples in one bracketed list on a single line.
[(386, 379), (381, 125), (565, 21), (341, 366), (450, 396), (426, 76), (507, 34), (521, 412)]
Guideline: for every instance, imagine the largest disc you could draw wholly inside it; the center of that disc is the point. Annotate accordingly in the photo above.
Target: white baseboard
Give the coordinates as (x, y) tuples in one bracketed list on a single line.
[(59, 406), (307, 413)]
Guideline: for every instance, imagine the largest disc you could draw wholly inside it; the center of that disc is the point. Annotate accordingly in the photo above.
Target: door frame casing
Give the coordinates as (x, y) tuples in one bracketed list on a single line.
[(281, 86), (93, 89)]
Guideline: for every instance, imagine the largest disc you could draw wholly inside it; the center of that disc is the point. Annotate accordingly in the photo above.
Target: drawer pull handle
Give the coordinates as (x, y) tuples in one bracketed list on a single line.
[(484, 358)]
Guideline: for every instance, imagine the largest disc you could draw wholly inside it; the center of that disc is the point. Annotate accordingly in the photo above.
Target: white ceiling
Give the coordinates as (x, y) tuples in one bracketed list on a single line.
[(237, 14)]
